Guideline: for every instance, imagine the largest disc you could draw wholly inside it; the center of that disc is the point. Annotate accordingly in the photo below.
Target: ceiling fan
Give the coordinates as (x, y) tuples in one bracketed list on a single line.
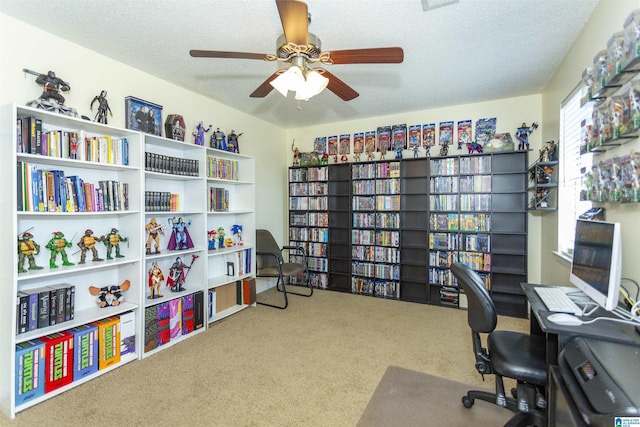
[(300, 48)]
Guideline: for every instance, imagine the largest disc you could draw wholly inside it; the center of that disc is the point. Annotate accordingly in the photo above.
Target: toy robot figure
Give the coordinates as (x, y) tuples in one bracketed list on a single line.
[(153, 230), (103, 107), (27, 248), (212, 239), (56, 245), (110, 295), (112, 240), (180, 238), (237, 234), (218, 140), (88, 242), (51, 99), (221, 237), (522, 135), (155, 281), (199, 133), (232, 142)]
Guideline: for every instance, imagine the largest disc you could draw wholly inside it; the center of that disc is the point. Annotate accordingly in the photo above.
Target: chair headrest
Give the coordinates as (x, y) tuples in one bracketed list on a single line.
[(481, 314)]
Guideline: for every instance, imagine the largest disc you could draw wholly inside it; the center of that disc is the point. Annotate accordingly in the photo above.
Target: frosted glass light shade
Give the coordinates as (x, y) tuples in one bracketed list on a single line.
[(314, 84), (292, 79)]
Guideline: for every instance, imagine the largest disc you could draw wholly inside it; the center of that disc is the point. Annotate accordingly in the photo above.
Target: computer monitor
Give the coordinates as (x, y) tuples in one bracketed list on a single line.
[(597, 261)]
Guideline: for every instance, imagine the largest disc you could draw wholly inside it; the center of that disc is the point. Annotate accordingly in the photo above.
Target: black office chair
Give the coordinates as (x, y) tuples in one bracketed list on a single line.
[(509, 354), (270, 263)]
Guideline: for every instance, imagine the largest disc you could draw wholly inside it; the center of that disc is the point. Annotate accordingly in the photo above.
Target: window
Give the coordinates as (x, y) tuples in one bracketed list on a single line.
[(571, 163)]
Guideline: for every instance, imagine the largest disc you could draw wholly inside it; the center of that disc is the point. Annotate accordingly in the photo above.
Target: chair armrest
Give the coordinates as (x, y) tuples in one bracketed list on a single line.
[(297, 248), (276, 255)]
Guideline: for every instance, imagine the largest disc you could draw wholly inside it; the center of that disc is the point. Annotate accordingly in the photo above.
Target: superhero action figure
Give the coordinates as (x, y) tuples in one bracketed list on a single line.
[(153, 230), (51, 99), (27, 248), (218, 140), (103, 107), (57, 246), (180, 238), (232, 142), (155, 281), (110, 295), (178, 274), (88, 243), (198, 134), (112, 240)]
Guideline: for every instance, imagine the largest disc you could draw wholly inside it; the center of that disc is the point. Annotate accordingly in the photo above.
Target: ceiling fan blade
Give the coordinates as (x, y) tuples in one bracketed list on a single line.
[(337, 86), (265, 88), (223, 54), (295, 21), (380, 55)]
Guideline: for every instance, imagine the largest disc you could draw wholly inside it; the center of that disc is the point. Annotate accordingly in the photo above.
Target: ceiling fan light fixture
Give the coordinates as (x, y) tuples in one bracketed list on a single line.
[(292, 79), (314, 84)]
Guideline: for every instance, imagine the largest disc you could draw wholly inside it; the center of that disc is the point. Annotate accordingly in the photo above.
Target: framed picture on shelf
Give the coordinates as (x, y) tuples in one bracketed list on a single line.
[(143, 115)]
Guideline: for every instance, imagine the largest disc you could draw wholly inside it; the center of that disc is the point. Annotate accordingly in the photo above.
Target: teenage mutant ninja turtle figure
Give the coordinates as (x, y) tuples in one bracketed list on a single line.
[(88, 243), (27, 248), (57, 246), (112, 240)]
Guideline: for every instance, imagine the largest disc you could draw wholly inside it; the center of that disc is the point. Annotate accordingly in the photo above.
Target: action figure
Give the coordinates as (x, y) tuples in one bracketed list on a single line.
[(232, 142), (199, 133), (180, 238), (212, 239), (221, 237), (103, 107), (522, 135), (155, 281), (27, 248), (218, 140), (56, 245), (153, 230), (177, 274), (51, 99), (110, 295), (112, 240), (88, 242), (296, 154), (236, 230)]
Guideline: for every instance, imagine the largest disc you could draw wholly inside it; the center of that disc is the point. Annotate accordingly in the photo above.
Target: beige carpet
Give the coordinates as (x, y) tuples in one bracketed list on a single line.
[(317, 363), (409, 398)]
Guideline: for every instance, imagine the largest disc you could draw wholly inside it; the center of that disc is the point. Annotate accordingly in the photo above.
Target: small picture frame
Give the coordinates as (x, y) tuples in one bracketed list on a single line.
[(143, 115)]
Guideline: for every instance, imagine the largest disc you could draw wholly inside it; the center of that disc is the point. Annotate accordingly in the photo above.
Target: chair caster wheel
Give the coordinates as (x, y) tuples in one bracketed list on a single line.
[(467, 402)]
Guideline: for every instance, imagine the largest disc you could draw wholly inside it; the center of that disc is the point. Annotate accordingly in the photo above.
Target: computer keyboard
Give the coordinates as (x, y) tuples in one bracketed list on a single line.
[(557, 300)]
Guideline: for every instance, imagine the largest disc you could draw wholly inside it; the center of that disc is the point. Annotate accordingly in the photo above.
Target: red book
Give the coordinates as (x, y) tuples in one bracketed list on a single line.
[(58, 360)]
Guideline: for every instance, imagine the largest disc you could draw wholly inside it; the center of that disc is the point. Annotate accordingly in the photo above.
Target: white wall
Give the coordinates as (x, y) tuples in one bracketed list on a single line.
[(25, 46), (607, 18), (510, 114)]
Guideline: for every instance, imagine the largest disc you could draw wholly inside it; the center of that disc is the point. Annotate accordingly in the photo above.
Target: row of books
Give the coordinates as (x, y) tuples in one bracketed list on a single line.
[(475, 202), (443, 184), (375, 237), (56, 360), (32, 138), (239, 292), (476, 260), (317, 280), (475, 184), (42, 190), (44, 306), (155, 162), (376, 220), (302, 203), (375, 170), (309, 234), (475, 164), (219, 168), (447, 166), (170, 320), (460, 222), (161, 201), (218, 199), (378, 288), (454, 241)]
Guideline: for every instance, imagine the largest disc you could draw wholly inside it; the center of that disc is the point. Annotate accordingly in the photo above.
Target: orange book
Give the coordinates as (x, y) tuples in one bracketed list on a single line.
[(108, 341)]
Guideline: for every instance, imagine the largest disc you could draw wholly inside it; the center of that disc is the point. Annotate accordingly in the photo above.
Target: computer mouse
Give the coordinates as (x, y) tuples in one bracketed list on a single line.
[(564, 319)]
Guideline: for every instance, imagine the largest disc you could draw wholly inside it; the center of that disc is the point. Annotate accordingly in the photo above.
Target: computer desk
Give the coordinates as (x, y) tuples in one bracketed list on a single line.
[(557, 335)]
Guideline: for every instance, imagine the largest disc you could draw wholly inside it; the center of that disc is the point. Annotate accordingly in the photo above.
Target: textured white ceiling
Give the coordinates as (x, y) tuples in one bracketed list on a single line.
[(471, 51)]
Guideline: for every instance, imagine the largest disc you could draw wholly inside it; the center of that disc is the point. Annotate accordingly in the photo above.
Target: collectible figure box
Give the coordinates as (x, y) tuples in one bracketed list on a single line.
[(163, 323), (175, 318), (150, 328), (85, 341), (30, 362), (187, 314), (108, 342), (127, 333), (58, 360)]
